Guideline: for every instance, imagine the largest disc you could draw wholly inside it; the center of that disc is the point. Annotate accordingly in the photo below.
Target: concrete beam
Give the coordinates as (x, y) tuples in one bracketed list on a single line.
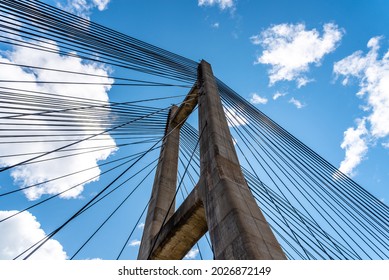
[(184, 229), (186, 107)]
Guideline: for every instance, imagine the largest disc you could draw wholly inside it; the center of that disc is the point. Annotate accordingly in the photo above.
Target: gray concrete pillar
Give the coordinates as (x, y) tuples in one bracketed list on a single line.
[(237, 227), (164, 187)]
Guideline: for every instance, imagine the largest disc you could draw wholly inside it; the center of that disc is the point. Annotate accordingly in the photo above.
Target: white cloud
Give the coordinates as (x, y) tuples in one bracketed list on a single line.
[(20, 232), (255, 39), (302, 81), (256, 99), (101, 4), (192, 254), (141, 226), (27, 175), (223, 4), (278, 95), (290, 49), (372, 73), (83, 8), (234, 118), (134, 243), (11, 22), (215, 25), (296, 103), (355, 145)]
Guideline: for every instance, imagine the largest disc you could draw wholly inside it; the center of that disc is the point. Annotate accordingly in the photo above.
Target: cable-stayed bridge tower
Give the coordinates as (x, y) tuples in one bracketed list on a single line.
[(221, 202)]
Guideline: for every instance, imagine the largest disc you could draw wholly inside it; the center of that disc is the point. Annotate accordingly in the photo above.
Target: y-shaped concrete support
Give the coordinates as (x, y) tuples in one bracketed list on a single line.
[(221, 202)]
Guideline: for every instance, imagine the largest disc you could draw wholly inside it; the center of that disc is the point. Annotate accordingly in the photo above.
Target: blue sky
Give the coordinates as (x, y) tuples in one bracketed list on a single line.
[(319, 112), (320, 69)]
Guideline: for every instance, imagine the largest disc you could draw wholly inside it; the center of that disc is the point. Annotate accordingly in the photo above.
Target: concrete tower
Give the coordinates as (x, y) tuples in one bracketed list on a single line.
[(220, 203)]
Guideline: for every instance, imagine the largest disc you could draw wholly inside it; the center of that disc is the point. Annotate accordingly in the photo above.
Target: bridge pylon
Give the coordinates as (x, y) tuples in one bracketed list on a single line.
[(220, 203)]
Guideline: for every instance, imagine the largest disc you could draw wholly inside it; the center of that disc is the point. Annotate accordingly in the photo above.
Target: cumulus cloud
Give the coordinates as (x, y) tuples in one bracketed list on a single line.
[(256, 99), (355, 145), (21, 232), (223, 4), (10, 22), (141, 226), (372, 74), (296, 103), (83, 8), (42, 171), (192, 254), (290, 50)]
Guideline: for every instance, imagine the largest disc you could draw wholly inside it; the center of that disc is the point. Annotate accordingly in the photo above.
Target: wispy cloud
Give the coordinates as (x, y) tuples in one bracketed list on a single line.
[(141, 226), (296, 103), (101, 4), (278, 95), (134, 243), (223, 4), (372, 74), (82, 8), (22, 231), (256, 39), (215, 25), (290, 50), (256, 99), (192, 254)]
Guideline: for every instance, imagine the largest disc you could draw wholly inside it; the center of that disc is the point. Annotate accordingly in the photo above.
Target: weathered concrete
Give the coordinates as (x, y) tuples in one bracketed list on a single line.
[(221, 202), (164, 187), (186, 107), (184, 229), (237, 227)]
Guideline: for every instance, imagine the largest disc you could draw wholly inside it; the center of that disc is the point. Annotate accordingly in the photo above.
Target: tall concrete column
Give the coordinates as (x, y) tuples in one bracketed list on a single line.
[(237, 227), (164, 187)]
